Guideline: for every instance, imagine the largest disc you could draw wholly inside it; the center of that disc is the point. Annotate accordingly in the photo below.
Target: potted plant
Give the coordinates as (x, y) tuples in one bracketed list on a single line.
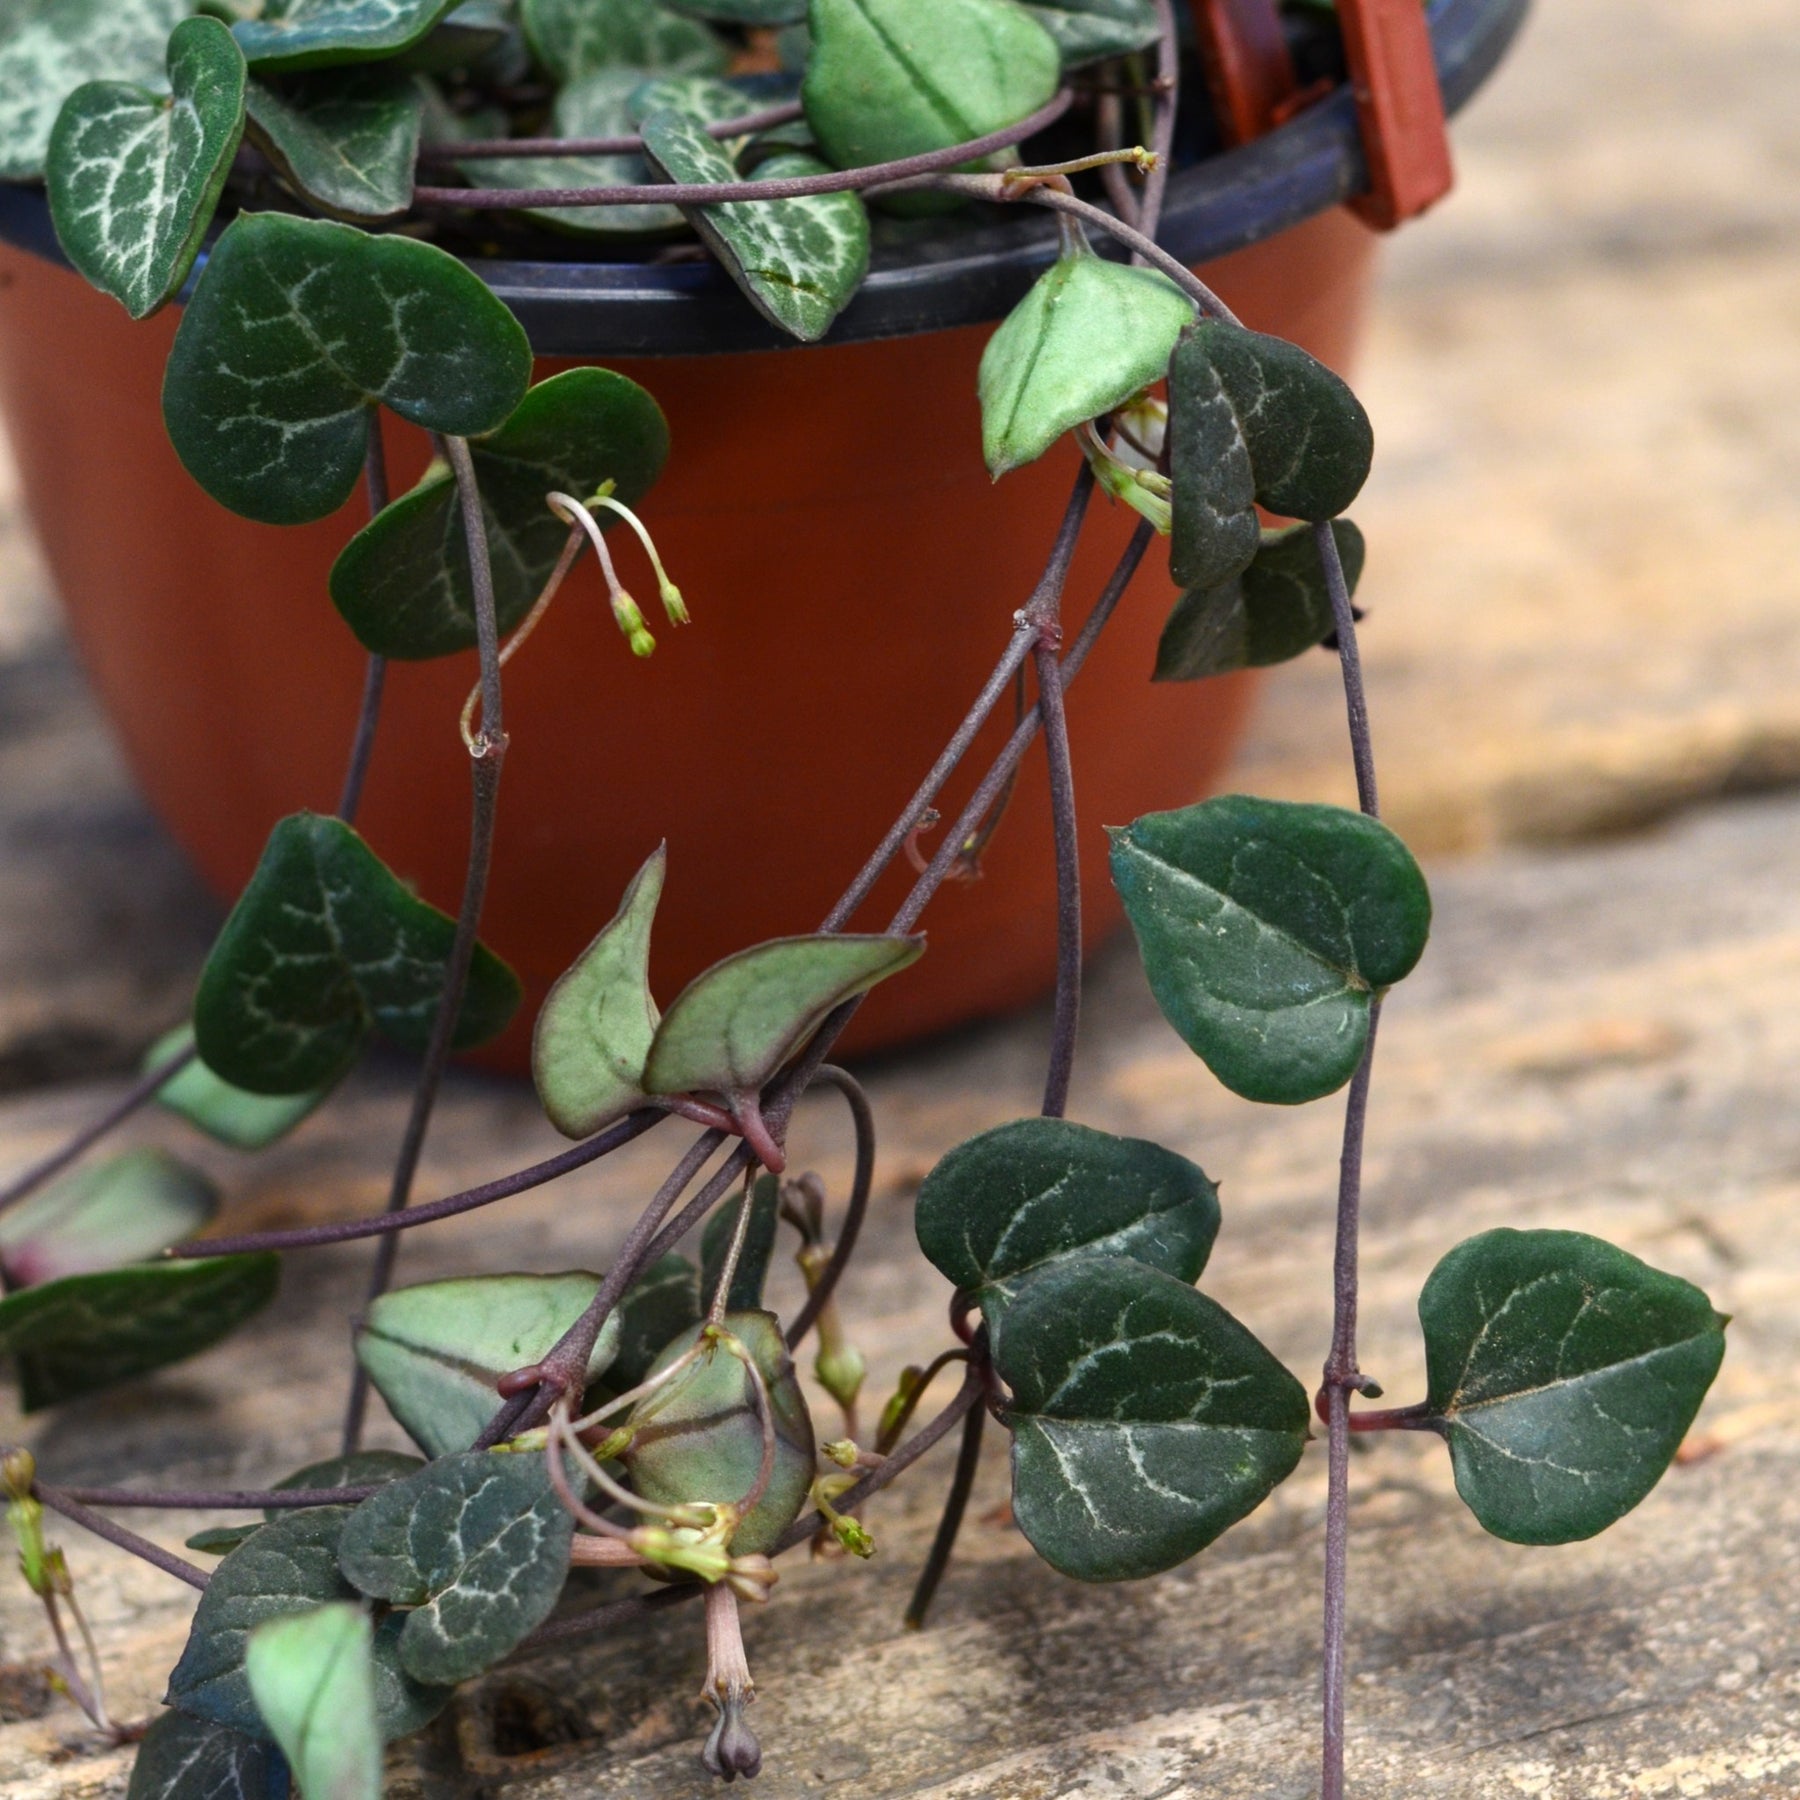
[(791, 479), (650, 1419)]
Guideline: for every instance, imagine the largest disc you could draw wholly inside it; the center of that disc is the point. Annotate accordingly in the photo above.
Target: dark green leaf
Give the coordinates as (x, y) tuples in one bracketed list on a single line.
[(798, 261), (191, 1759), (345, 140), (572, 38), (699, 1438), (435, 1351), (1266, 928), (356, 1468), (742, 12), (311, 34), (325, 945), (1215, 533), (1277, 609), (752, 1271), (732, 1027), (1091, 30), (595, 1027), (123, 1210), (402, 583), (289, 1566), (465, 36), (313, 1677), (134, 174), (229, 1114), (297, 329), (85, 1332), (477, 1545), (1237, 396), (1564, 1373), (1015, 1199), (891, 78), (1086, 338), (658, 1307), (1310, 440), (1146, 1420), (48, 48)]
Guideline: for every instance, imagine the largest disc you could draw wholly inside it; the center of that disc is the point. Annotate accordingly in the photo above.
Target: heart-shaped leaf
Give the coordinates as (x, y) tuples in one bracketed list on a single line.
[(1238, 397), (798, 261), (436, 1351), (48, 48), (1277, 609), (1146, 1420), (1564, 1373), (732, 1027), (698, 1439), (182, 1758), (1086, 338), (402, 583), (120, 1211), (355, 1468), (345, 140), (297, 329), (595, 1027), (289, 1566), (324, 946), (752, 1273), (312, 34), (742, 12), (312, 1677), (1016, 1199), (703, 97), (572, 38), (891, 78), (658, 1307), (228, 1114), (1091, 30), (1266, 928), (82, 1333), (477, 1545), (134, 174)]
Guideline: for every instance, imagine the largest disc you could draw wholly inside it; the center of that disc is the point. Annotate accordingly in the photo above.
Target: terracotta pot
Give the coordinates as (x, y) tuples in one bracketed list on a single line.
[(852, 574)]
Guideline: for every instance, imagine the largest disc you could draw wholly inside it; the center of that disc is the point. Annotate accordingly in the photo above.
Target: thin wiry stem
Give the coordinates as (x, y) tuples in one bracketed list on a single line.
[(343, 1231), (1342, 1376), (114, 1533), (956, 1503), (368, 717), (145, 1088), (483, 149), (218, 1499), (1162, 142), (1067, 1018), (712, 193), (862, 1118), (487, 755)]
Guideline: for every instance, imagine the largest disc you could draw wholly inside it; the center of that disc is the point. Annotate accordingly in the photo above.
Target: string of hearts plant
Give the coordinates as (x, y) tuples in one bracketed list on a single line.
[(650, 1417)]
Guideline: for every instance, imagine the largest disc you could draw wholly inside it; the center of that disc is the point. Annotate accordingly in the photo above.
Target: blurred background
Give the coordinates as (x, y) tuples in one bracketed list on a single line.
[(1583, 649)]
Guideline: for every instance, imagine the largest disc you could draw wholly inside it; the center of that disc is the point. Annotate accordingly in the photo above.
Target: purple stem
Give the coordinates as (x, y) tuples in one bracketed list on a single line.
[(481, 149), (77, 1514), (862, 1118)]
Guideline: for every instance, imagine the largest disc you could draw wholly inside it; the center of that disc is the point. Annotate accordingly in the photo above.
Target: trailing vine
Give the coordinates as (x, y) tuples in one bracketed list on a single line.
[(650, 1416)]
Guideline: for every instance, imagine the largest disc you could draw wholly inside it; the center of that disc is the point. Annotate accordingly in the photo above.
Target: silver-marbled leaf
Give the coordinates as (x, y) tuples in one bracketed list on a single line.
[(799, 261), (183, 1758), (312, 34), (572, 38)]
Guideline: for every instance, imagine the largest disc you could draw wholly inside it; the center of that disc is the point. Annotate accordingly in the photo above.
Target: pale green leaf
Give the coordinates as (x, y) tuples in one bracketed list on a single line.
[(313, 1679), (231, 1115), (436, 1351), (1088, 336), (123, 1210), (732, 1027), (595, 1028)]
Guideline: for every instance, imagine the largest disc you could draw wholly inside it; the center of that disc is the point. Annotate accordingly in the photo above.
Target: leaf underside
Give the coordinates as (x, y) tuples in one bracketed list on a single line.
[(312, 1677)]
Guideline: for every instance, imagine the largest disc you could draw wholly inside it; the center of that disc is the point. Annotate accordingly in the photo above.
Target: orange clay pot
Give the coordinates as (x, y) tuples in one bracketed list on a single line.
[(852, 574)]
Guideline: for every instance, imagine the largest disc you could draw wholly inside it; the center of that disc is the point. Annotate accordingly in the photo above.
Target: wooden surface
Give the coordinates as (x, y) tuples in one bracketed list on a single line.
[(1585, 381)]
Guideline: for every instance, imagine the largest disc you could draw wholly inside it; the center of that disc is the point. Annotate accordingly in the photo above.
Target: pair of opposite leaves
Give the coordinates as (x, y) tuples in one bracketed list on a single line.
[(1563, 1372)]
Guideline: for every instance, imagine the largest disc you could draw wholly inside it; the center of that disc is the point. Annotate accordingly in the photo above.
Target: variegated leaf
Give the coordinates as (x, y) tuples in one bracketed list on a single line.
[(312, 34), (345, 140), (572, 38)]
